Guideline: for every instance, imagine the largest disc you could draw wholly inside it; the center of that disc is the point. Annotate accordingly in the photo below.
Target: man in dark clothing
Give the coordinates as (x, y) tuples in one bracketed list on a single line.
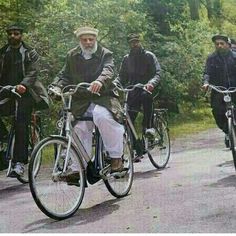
[(220, 70), (18, 67), (140, 66)]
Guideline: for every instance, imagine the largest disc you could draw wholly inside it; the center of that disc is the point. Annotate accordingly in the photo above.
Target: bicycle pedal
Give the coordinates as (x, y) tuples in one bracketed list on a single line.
[(103, 173), (58, 177), (118, 175)]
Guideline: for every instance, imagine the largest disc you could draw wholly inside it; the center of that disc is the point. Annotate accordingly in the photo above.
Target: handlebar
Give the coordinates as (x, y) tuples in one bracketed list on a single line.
[(68, 90), (8, 89), (221, 89), (131, 87)]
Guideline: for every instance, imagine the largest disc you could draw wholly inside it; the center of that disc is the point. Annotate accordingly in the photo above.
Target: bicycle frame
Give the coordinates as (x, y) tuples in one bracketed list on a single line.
[(70, 134), (227, 99), (127, 118), (34, 127), (142, 145)]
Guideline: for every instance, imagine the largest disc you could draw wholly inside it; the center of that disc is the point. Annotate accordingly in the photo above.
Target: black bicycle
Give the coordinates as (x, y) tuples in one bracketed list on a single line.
[(156, 147), (230, 115), (57, 197), (7, 146)]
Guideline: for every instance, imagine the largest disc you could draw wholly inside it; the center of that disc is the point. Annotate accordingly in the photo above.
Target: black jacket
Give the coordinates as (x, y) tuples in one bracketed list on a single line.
[(221, 70), (140, 68), (30, 64)]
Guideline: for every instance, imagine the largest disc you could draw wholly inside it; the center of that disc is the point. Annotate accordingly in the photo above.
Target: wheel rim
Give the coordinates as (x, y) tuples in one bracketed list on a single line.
[(159, 147), (119, 185), (53, 195)]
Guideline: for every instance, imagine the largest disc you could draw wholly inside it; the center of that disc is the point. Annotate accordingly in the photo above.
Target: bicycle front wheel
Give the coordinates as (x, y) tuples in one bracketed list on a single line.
[(159, 146), (120, 184), (53, 194), (232, 139)]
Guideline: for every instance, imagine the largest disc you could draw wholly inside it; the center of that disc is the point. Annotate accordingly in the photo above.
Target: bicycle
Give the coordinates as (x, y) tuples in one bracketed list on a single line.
[(229, 115), (53, 194), (7, 146), (157, 147)]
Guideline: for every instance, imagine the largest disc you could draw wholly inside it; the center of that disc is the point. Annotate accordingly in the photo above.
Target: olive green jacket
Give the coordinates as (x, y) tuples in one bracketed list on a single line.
[(99, 68)]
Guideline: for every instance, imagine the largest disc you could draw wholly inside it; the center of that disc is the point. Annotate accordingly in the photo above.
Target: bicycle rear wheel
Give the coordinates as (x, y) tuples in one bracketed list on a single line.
[(159, 146), (232, 139), (54, 196), (120, 184)]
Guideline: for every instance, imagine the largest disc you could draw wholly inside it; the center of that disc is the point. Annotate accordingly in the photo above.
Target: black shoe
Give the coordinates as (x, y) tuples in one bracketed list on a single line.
[(12, 174), (75, 182), (73, 179), (138, 159)]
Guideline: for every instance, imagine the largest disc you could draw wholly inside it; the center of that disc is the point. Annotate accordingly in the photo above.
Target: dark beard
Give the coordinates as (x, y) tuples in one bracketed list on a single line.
[(222, 51), (14, 42), (136, 51)]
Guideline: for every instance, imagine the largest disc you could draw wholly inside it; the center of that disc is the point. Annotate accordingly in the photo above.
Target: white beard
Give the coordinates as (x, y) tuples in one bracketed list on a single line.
[(87, 53)]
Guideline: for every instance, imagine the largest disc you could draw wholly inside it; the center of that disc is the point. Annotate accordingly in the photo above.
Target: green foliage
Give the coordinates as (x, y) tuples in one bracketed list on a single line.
[(183, 60), (166, 28)]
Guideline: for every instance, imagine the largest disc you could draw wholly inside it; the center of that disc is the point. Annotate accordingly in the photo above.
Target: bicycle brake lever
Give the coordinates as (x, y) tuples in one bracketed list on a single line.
[(16, 93)]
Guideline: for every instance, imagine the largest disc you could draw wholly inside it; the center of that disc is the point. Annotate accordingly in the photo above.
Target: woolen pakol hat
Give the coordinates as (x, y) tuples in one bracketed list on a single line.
[(14, 27), (133, 37), (85, 30), (222, 37)]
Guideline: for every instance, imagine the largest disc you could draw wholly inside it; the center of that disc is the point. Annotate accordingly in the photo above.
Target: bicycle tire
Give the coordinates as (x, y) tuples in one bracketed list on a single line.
[(159, 148), (232, 139), (119, 186), (54, 196)]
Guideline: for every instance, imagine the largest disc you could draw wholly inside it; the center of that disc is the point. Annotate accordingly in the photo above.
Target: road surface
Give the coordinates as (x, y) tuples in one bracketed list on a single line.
[(196, 193)]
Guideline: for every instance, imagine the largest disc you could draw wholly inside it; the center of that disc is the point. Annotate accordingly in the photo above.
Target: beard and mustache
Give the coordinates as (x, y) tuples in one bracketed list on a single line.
[(14, 42), (87, 52), (223, 51)]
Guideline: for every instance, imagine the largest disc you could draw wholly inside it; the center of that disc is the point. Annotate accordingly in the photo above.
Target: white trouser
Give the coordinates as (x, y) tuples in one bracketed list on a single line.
[(111, 131)]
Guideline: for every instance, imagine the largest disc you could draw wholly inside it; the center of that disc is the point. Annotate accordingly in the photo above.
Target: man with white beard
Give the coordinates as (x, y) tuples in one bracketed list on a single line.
[(92, 63)]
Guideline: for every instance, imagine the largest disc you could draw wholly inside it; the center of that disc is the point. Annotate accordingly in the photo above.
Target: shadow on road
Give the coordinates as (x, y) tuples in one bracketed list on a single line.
[(13, 190), (229, 181), (82, 217), (226, 164), (148, 174)]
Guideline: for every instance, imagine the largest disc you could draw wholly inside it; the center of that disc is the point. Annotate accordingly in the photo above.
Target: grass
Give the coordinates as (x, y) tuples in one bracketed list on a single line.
[(188, 121), (191, 121)]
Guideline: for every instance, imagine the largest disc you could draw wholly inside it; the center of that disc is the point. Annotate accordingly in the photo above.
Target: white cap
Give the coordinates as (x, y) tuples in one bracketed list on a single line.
[(85, 30)]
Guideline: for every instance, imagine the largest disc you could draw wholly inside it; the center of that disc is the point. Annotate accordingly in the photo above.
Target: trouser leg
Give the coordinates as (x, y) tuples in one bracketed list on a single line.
[(147, 102), (221, 120), (111, 131), (84, 129), (22, 122)]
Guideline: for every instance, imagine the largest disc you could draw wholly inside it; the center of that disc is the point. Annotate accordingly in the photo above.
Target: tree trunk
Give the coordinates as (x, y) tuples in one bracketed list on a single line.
[(194, 9)]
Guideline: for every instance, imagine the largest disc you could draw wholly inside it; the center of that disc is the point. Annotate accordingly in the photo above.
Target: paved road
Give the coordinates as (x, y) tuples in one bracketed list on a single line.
[(196, 193)]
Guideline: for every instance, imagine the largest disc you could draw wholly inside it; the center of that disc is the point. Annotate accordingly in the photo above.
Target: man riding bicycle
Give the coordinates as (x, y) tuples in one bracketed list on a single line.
[(19, 67), (92, 63), (140, 66), (220, 70)]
